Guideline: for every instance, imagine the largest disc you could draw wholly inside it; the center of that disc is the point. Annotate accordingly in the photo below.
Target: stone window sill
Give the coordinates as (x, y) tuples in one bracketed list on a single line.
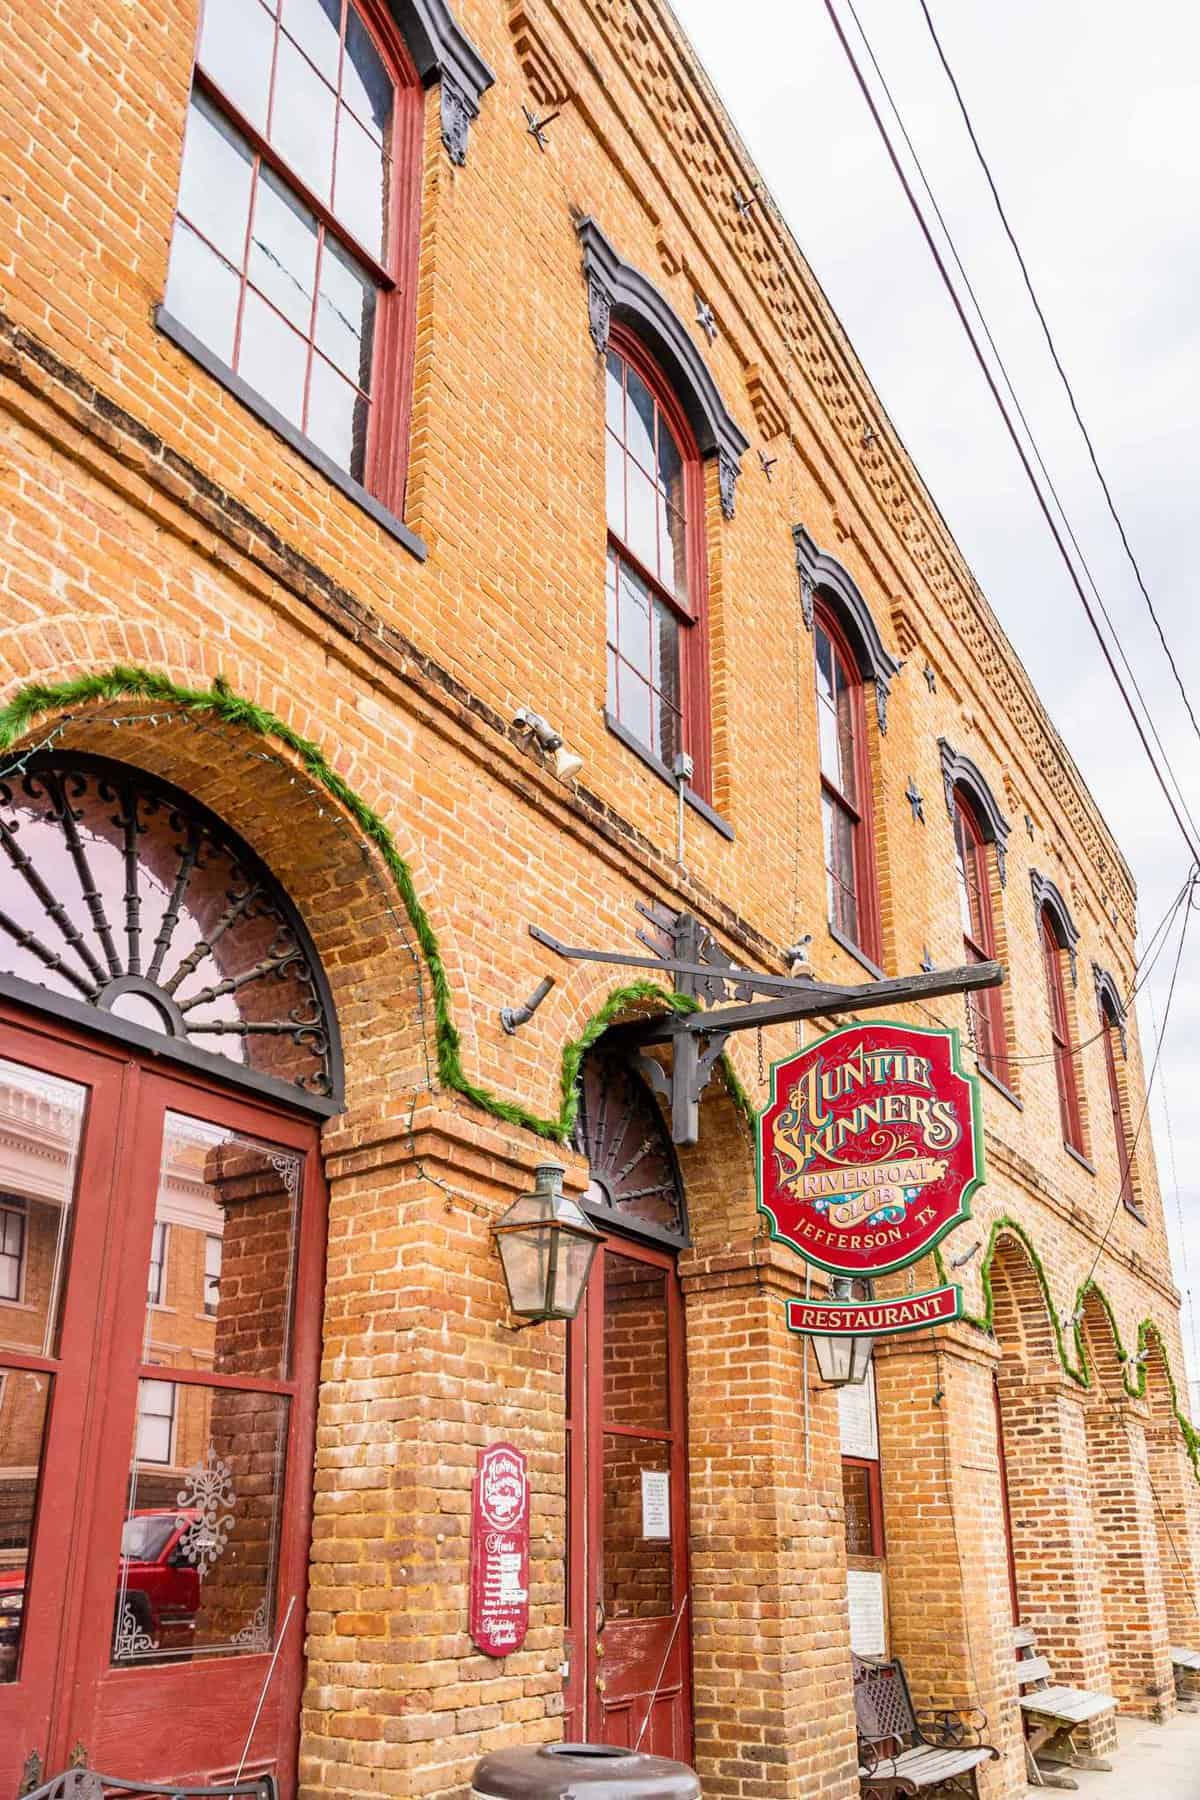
[(1001, 1087), (707, 813), (1079, 1157), (852, 949), (303, 446)]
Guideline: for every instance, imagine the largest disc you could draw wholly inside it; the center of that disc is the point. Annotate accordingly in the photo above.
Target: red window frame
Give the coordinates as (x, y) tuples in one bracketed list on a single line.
[(1109, 1028), (864, 883), (1064, 1065), (979, 942), (874, 1505), (695, 722), (390, 406)]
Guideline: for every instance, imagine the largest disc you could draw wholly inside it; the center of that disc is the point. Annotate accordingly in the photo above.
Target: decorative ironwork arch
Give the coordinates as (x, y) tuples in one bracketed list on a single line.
[(129, 907), (636, 1185)]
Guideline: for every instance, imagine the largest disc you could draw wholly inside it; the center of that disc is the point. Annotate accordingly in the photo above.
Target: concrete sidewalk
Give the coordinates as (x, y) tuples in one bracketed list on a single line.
[(1154, 1762)]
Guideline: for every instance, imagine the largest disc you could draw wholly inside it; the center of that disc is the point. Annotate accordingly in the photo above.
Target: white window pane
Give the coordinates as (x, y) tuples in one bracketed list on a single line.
[(236, 42), (360, 192), (337, 419), (639, 419), (272, 358), (633, 703), (641, 534), (156, 1414), (672, 549), (283, 250), (302, 119), (614, 481), (316, 27), (614, 394), (202, 292), (214, 186), (633, 620), (366, 84), (346, 314)]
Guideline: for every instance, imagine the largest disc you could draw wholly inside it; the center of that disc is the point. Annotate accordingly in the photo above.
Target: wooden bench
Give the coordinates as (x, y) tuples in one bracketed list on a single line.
[(1185, 1665), (1052, 1713), (901, 1751)]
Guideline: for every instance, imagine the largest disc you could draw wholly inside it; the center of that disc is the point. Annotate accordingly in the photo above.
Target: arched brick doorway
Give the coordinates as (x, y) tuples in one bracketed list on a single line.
[(627, 1600), (167, 1051)]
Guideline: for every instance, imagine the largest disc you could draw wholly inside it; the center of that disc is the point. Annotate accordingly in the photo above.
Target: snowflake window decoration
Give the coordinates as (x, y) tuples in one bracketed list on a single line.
[(205, 1502)]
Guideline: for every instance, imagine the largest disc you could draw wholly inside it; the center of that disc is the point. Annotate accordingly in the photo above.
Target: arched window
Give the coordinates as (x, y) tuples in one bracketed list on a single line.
[(292, 257), (128, 908), (845, 790), (657, 676), (1064, 1062), (168, 1049), (1112, 1035), (972, 863)]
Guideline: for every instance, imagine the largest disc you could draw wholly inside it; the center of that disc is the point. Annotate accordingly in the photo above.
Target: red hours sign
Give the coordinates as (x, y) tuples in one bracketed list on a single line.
[(870, 1147), (499, 1604)]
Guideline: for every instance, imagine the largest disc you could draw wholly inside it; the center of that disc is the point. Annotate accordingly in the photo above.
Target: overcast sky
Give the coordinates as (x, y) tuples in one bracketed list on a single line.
[(1090, 118)]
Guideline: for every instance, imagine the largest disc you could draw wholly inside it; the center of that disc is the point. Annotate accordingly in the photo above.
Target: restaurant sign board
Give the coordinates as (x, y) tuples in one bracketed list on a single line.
[(874, 1318), (870, 1147), (499, 1591)]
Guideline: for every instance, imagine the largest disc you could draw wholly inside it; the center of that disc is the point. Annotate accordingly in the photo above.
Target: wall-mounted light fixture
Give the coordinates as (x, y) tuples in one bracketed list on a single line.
[(565, 763), (843, 1360), (546, 1246)]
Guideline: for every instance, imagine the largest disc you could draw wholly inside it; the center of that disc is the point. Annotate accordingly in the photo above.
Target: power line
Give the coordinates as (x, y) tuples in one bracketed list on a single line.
[(1037, 307), (1010, 427), (1020, 410)]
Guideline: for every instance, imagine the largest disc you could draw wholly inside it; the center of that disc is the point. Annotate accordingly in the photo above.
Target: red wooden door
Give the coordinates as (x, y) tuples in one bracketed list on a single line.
[(177, 1507), (59, 1122), (628, 1627)]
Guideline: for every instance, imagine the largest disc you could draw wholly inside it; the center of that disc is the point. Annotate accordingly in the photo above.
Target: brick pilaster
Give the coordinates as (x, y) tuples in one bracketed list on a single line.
[(1177, 1521), (771, 1647), (1055, 1548), (943, 1515), (1123, 1510)]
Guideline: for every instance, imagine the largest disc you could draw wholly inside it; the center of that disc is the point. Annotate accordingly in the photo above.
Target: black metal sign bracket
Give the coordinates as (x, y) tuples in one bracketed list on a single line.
[(685, 948)]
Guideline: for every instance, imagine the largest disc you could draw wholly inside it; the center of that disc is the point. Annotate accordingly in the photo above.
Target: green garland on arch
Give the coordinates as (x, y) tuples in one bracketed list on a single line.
[(126, 682), (1079, 1369)]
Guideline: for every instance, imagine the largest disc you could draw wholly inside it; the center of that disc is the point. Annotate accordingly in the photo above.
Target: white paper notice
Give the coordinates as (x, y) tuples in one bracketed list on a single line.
[(656, 1503), (864, 1589), (856, 1407)]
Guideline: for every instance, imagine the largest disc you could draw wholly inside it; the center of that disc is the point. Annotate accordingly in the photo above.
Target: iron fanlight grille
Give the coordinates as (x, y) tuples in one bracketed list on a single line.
[(619, 1128), (123, 893)]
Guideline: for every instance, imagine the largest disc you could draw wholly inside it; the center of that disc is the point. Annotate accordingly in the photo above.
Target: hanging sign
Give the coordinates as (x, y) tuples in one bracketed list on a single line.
[(499, 1598), (874, 1318), (870, 1147)]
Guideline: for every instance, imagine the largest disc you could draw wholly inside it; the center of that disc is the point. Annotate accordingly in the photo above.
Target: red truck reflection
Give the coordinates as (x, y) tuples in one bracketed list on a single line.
[(158, 1589)]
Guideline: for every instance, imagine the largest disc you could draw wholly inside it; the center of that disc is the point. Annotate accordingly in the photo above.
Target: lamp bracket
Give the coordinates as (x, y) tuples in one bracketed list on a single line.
[(684, 948)]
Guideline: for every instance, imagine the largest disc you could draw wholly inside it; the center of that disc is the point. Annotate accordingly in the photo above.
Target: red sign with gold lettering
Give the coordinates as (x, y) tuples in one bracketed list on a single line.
[(499, 1601), (870, 1147)]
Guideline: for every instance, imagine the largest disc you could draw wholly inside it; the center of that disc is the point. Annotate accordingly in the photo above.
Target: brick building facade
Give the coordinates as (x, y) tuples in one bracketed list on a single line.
[(314, 437)]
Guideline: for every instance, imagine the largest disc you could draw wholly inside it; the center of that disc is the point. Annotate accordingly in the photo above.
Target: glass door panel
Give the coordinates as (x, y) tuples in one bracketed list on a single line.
[(41, 1130), (627, 1505), (210, 1415), (24, 1410), (57, 1138)]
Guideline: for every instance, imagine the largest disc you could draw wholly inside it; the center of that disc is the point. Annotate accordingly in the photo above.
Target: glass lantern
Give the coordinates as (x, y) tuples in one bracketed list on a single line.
[(843, 1361), (546, 1246)]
